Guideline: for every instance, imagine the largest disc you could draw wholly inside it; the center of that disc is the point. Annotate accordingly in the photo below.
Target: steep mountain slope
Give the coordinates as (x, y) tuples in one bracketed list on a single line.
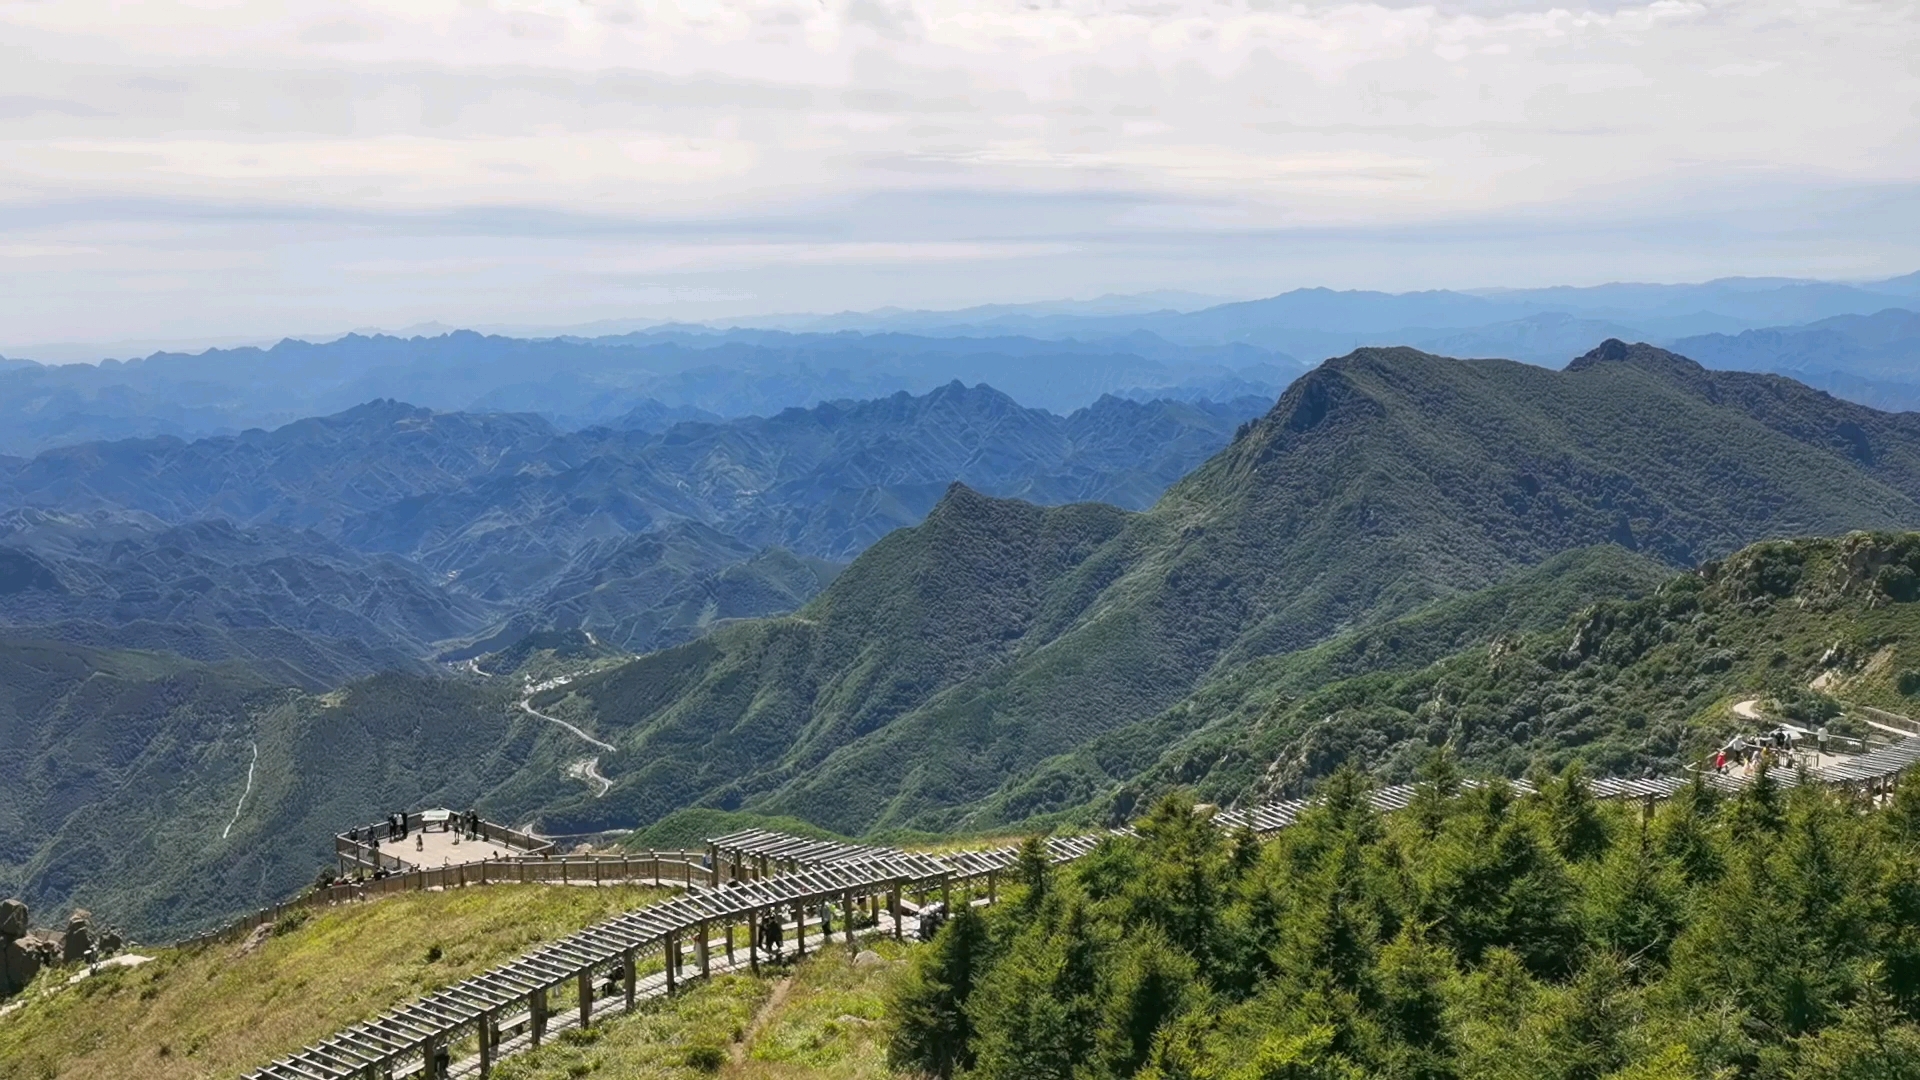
[(926, 608), (168, 794), (1802, 626), (1380, 482)]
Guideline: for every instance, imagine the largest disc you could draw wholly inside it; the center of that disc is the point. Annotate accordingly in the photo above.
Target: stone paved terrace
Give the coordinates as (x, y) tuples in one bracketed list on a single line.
[(443, 849), (434, 839)]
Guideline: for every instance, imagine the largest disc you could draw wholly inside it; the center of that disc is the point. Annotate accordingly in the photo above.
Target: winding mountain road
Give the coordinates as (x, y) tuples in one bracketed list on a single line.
[(587, 769), (526, 706)]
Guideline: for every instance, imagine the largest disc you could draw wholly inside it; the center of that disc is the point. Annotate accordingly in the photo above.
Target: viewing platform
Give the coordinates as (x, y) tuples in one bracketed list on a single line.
[(427, 839)]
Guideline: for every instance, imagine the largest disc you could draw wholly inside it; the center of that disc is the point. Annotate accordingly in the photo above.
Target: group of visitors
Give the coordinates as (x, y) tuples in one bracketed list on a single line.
[(1744, 753), (397, 827), (931, 920)]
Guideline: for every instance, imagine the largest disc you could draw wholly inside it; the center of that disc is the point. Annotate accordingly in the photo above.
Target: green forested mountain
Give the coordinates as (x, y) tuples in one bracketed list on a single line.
[(953, 659), (643, 536), (168, 795), (1802, 628), (1407, 550)]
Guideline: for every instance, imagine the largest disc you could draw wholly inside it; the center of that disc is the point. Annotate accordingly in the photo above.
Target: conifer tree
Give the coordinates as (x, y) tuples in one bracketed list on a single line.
[(930, 1030), (1573, 819)]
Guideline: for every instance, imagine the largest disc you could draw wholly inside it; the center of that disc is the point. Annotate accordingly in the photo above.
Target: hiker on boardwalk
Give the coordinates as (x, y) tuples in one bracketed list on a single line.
[(772, 935), (931, 920)]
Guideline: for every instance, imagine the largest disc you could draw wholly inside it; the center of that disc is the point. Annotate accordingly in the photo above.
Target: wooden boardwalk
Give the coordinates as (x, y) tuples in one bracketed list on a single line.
[(491, 1009), (741, 880)]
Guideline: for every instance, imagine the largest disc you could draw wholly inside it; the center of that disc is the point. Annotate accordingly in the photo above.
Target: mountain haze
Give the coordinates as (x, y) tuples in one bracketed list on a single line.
[(644, 536)]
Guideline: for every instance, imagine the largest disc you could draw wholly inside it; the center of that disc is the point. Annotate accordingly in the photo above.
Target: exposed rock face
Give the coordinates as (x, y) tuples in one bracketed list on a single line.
[(78, 940), (13, 920), (22, 958), (18, 966)]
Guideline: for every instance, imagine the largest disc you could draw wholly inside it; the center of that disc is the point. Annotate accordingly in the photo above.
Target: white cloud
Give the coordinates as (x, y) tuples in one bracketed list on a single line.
[(1018, 149)]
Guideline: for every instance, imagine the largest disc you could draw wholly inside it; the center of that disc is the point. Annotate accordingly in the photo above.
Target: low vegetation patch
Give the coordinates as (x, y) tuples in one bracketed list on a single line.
[(685, 1037)]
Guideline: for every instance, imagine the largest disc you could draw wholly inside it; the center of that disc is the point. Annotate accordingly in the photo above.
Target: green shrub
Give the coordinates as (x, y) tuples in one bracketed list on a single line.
[(291, 921), (705, 1058)]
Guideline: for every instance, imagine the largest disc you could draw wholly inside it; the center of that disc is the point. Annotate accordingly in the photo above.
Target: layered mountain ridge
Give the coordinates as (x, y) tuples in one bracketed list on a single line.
[(647, 537), (999, 662), (1382, 482)]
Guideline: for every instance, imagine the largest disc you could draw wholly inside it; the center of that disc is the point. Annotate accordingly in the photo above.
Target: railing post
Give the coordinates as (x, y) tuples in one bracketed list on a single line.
[(753, 940), (489, 1039), (430, 1058), (899, 915), (586, 997), (626, 976), (701, 950), (800, 926), (673, 959), (537, 1015), (846, 916)]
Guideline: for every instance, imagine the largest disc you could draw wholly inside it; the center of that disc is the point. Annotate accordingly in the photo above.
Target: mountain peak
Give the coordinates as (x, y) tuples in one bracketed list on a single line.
[(1639, 354)]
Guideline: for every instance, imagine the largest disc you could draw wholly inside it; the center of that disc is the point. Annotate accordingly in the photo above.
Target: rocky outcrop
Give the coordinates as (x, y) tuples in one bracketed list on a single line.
[(77, 944), (13, 920), (22, 951)]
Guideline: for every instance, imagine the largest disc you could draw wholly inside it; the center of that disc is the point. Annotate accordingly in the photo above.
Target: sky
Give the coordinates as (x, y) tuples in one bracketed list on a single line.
[(228, 169)]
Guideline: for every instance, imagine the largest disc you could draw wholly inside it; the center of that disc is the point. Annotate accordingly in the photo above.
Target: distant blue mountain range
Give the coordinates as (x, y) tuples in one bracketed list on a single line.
[(1058, 357)]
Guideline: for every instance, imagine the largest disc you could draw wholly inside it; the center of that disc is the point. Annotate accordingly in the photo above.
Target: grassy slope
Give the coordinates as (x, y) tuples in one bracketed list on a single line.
[(827, 1022), (212, 1011), (941, 663)]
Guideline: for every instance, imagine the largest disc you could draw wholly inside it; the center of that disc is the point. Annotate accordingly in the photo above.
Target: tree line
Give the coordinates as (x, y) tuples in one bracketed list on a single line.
[(1479, 933)]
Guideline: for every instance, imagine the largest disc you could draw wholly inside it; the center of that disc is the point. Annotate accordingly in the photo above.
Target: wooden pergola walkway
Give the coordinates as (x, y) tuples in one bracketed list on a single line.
[(750, 875)]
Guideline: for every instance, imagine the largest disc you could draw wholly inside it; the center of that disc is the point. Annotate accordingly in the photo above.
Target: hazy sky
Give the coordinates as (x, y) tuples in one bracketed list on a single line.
[(200, 170)]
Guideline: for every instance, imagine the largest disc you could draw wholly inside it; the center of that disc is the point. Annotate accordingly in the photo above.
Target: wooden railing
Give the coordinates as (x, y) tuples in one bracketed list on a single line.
[(674, 869), (515, 1004)]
